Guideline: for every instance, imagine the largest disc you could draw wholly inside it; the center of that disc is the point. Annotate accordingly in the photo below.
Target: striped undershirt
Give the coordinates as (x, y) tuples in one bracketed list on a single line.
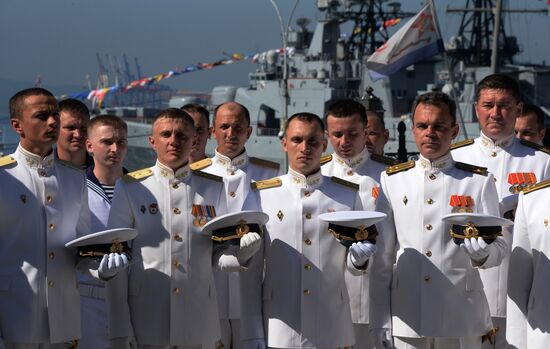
[(109, 190)]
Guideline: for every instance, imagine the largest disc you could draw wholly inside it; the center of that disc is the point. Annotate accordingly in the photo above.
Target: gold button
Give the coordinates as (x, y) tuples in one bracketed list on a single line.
[(432, 176), (176, 263), (50, 283), (429, 253), (307, 193), (175, 185), (307, 267), (307, 241), (52, 226), (232, 194), (177, 237), (176, 290), (430, 201), (51, 255), (308, 215), (177, 210), (429, 226), (307, 292), (493, 153), (350, 173), (427, 279), (49, 198)]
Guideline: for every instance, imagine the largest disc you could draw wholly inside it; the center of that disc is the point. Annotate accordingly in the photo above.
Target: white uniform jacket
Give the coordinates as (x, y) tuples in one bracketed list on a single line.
[(237, 175), (43, 205), (305, 300), (361, 170), (528, 324), (503, 159), (422, 281), (168, 295)]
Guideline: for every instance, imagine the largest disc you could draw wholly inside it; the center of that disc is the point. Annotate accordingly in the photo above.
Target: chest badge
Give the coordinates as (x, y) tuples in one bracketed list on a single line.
[(405, 200), (280, 215), (153, 208), (521, 180), (461, 203), (202, 214), (142, 209), (545, 222), (375, 191), (23, 198)]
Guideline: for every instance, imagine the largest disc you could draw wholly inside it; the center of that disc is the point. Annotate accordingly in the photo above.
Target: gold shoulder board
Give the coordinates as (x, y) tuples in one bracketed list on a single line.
[(543, 184), (390, 170), (266, 183), (471, 168), (386, 160), (137, 175), (199, 165), (345, 183), (7, 160), (462, 143), (209, 176), (264, 163), (326, 159), (535, 146)]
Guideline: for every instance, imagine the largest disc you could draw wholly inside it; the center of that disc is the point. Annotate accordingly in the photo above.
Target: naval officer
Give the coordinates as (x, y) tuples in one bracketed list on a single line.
[(43, 206), (347, 130), (168, 299), (231, 130), (515, 164), (305, 302), (425, 289), (201, 119), (528, 323)]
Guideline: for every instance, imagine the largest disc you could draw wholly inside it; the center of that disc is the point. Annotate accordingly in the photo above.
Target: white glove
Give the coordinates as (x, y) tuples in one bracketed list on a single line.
[(111, 264), (360, 252), (124, 343), (250, 244), (253, 344), (476, 248), (381, 338)]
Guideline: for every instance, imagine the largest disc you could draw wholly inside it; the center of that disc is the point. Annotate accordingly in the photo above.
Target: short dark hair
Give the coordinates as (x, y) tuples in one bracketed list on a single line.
[(346, 108), (74, 106), (438, 99), (378, 116), (107, 120), (16, 101), (499, 82), (305, 117), (245, 111), (197, 108), (174, 114), (536, 110)]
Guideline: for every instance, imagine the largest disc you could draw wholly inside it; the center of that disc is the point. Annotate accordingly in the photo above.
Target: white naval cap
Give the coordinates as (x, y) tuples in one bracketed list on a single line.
[(232, 226), (470, 225), (352, 226), (103, 242)]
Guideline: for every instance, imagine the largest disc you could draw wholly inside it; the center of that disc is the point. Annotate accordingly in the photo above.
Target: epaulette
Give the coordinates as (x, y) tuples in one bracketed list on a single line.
[(199, 165), (390, 170), (265, 163), (325, 159), (535, 146), (462, 143), (471, 168), (345, 183), (386, 160), (137, 175), (209, 176), (543, 184), (69, 165), (7, 160), (266, 183)]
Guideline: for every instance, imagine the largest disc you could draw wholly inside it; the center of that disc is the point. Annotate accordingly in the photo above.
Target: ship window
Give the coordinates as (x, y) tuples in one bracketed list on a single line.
[(267, 124)]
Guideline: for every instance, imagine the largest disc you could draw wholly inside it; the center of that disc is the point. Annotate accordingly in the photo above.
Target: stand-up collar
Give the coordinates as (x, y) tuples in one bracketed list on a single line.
[(166, 172), (354, 161), (232, 164), (310, 182), (489, 143), (35, 161), (444, 162)]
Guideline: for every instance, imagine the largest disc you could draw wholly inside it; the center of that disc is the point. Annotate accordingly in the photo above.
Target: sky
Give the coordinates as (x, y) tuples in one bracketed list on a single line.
[(58, 39)]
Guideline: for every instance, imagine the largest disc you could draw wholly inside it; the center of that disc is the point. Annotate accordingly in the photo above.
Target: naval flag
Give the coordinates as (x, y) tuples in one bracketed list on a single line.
[(419, 38)]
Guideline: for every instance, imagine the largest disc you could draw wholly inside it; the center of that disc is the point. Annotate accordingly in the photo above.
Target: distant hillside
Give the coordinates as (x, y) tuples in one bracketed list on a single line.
[(9, 87)]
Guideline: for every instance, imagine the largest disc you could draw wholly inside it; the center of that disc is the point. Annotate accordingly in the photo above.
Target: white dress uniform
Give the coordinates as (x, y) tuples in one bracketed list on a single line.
[(363, 169), (528, 324), (168, 296), (43, 205), (92, 290), (305, 300), (237, 174), (504, 159), (422, 283)]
